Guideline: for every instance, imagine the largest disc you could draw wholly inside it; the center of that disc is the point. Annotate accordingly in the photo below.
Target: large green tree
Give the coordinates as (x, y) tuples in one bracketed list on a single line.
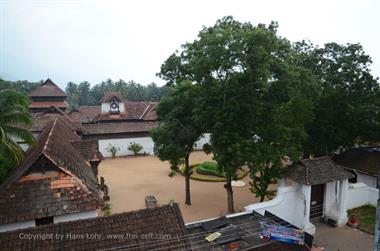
[(174, 139), (241, 71), (347, 109), (14, 120)]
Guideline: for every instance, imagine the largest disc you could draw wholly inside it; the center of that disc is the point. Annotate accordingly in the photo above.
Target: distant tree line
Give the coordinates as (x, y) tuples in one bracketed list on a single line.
[(84, 94)]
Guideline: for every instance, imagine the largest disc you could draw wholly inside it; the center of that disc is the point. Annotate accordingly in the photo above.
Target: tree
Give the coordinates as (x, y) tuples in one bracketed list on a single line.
[(347, 109), (174, 139), (14, 120), (238, 67), (135, 148)]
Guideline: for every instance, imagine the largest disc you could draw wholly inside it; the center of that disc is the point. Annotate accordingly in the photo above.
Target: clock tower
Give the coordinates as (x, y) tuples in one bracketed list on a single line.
[(112, 103)]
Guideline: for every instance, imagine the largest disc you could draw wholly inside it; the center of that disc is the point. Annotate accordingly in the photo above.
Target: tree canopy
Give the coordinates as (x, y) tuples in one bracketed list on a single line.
[(174, 139), (263, 98), (14, 122)]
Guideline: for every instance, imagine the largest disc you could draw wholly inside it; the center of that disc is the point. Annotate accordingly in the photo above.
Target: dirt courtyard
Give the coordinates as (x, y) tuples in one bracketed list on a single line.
[(130, 179)]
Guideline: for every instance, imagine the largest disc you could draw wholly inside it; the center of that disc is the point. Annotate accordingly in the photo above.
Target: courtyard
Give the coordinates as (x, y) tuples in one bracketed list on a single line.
[(131, 178)]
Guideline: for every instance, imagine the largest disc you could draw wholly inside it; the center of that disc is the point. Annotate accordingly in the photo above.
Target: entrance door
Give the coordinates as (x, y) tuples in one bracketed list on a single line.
[(316, 202)]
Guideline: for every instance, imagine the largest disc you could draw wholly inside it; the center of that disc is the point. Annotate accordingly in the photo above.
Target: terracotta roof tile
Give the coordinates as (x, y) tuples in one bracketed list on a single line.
[(47, 104), (55, 153), (147, 229), (119, 128), (317, 171), (363, 159), (47, 89), (108, 96)]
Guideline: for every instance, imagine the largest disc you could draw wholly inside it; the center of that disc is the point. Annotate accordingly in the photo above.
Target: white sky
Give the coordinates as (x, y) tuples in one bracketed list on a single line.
[(69, 40)]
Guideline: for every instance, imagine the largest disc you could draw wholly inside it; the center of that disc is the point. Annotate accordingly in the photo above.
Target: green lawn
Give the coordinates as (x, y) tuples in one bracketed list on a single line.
[(210, 168), (367, 217)]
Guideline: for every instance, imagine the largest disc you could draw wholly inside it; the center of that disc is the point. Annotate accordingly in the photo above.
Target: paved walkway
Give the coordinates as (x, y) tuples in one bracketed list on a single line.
[(343, 238)]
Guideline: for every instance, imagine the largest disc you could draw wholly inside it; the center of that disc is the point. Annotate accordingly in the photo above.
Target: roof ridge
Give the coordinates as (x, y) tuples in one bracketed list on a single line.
[(145, 111), (49, 136)]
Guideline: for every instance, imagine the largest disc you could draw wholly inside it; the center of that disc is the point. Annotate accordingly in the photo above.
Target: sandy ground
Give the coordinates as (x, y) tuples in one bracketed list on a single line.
[(130, 179)]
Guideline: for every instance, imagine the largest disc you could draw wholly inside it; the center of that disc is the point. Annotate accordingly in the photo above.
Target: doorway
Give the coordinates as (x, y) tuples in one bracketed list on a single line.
[(316, 201)]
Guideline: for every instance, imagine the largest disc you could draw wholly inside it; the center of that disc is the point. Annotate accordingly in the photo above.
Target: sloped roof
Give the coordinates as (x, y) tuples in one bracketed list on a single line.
[(108, 96), (317, 171), (145, 111), (160, 228), (41, 120), (84, 114), (363, 159), (48, 89), (133, 111), (71, 187), (119, 128), (47, 104)]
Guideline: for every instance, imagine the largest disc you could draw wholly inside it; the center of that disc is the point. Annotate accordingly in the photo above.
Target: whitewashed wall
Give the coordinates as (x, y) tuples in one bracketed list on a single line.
[(56, 219), (77, 216), (359, 194), (18, 225), (106, 107), (146, 142), (291, 204), (203, 140), (367, 179)]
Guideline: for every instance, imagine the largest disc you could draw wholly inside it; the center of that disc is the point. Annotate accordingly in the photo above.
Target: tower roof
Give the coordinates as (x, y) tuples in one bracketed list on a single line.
[(48, 89)]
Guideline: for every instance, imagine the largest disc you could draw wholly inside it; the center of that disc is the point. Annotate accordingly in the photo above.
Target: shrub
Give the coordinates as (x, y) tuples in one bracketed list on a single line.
[(135, 148), (210, 168), (172, 174), (107, 209), (113, 150)]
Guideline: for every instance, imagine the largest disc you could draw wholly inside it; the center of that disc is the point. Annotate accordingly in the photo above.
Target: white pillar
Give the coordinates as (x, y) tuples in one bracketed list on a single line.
[(343, 188), (306, 225)]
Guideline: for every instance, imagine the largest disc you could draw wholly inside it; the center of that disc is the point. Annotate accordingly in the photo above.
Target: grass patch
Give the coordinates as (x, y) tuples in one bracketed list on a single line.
[(210, 168), (366, 216)]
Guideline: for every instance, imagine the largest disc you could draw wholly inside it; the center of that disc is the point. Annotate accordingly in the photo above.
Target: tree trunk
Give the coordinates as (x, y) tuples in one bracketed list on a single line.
[(262, 197), (230, 195), (187, 180)]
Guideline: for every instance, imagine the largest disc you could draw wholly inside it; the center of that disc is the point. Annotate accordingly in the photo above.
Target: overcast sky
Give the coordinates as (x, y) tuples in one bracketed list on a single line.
[(82, 40)]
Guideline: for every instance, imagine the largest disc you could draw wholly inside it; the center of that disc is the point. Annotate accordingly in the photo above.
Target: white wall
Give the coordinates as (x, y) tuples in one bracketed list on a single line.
[(367, 179), (203, 140), (77, 216), (359, 194), (106, 107), (56, 219), (291, 204), (18, 225), (146, 142)]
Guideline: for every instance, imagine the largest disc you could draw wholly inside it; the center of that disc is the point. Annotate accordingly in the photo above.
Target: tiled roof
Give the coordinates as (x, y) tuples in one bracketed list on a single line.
[(47, 89), (109, 95), (240, 232), (31, 194), (364, 159), (160, 228), (85, 114), (133, 111), (317, 171), (47, 104), (41, 120), (89, 149), (119, 127)]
